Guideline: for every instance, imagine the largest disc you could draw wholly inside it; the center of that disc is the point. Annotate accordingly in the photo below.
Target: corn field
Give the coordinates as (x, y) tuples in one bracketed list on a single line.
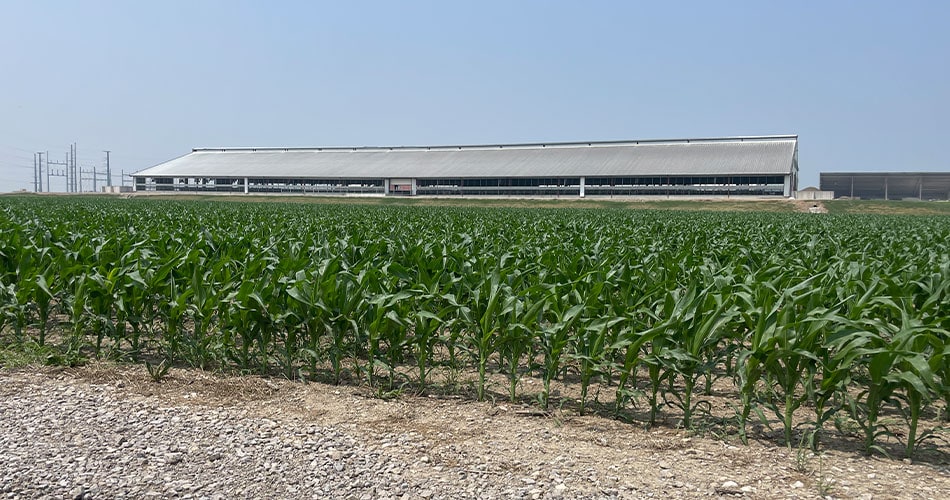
[(811, 320)]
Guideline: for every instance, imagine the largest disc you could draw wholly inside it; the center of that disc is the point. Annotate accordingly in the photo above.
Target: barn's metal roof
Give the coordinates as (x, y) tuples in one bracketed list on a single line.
[(764, 155)]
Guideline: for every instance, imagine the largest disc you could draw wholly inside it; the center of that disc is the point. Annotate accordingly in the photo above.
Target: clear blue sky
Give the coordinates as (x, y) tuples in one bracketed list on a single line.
[(866, 85)]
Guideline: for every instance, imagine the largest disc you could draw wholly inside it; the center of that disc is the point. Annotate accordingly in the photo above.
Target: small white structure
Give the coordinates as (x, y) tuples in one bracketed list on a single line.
[(811, 193)]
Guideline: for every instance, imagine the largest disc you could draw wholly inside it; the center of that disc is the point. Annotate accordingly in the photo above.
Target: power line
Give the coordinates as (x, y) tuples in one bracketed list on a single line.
[(17, 149), (22, 158), (74, 169)]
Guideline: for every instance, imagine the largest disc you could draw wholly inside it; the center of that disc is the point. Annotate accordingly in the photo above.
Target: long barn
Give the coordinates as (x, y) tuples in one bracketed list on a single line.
[(755, 166)]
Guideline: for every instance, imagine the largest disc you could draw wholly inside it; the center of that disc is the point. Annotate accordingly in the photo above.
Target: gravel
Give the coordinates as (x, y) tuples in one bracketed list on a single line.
[(62, 439), (109, 432)]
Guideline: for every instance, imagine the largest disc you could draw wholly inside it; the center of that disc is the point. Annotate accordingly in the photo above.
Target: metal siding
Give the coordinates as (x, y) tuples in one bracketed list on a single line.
[(721, 157), (892, 185)]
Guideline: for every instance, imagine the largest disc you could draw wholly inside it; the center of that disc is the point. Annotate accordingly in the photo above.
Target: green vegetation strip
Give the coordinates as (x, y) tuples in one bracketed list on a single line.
[(840, 317), (888, 207)]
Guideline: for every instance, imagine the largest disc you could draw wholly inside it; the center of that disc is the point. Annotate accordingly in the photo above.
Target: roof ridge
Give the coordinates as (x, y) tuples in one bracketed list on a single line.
[(528, 145)]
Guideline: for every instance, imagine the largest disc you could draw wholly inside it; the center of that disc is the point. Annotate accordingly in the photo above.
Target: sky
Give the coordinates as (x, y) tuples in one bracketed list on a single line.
[(865, 84)]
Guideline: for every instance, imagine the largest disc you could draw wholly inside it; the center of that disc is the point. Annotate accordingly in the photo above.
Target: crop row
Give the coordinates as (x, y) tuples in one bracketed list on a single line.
[(826, 316)]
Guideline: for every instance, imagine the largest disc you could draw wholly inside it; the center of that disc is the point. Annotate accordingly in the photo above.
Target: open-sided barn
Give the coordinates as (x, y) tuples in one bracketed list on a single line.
[(762, 165), (888, 185)]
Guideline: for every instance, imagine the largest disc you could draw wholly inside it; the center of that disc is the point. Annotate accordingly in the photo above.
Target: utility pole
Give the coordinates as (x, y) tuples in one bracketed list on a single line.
[(77, 180), (108, 170), (40, 170), (35, 176), (69, 170), (69, 163)]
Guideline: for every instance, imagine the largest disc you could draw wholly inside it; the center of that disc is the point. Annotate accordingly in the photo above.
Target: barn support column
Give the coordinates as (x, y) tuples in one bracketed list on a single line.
[(788, 186), (885, 188), (413, 187), (583, 180), (245, 185), (386, 187)]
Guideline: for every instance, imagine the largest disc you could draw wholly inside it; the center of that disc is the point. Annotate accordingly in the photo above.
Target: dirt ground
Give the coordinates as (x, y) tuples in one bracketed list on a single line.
[(456, 434), (739, 204), (809, 206), (712, 203)]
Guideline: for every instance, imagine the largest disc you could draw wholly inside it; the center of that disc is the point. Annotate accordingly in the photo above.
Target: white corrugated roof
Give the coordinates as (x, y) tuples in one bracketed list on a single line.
[(728, 156)]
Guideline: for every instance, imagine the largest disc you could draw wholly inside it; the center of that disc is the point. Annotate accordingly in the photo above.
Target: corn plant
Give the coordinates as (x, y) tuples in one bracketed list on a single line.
[(310, 315), (7, 305), (480, 318), (344, 299), (432, 313), (694, 320), (592, 351), (784, 349), (561, 314), (888, 357)]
